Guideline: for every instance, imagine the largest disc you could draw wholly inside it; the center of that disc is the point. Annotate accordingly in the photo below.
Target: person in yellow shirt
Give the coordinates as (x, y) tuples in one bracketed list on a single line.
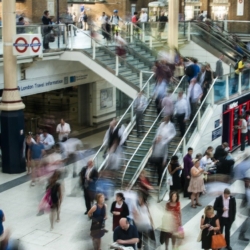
[(240, 68)]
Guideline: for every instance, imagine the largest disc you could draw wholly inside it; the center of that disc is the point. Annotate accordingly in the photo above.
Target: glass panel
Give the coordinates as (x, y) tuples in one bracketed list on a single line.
[(220, 89), (245, 80), (233, 87)]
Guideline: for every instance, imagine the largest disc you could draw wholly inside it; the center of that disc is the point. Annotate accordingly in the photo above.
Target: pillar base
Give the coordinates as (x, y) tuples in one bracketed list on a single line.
[(12, 142)]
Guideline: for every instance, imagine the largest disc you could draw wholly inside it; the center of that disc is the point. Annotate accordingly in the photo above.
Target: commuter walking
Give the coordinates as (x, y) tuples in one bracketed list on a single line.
[(36, 151), (167, 105), (243, 133), (225, 205), (63, 130), (159, 93), (140, 105), (196, 185), (219, 67), (209, 225), (192, 70), (119, 209), (186, 175), (194, 95), (143, 19), (174, 168), (239, 68), (144, 184), (20, 30), (162, 24), (174, 207), (106, 27), (98, 215), (47, 140), (182, 111), (207, 81), (165, 133), (4, 234), (56, 197), (88, 178), (248, 127), (114, 21), (28, 142), (47, 28)]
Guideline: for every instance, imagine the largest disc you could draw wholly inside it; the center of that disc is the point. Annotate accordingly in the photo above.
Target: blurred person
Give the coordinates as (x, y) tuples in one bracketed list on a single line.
[(196, 185), (192, 70), (134, 18), (201, 75), (140, 105), (106, 27), (248, 127), (194, 95), (144, 185), (225, 205), (243, 133), (220, 151), (182, 111), (219, 67), (120, 48), (36, 152), (47, 28), (47, 140), (167, 105), (88, 178), (67, 19), (206, 161), (143, 222), (240, 66), (56, 197), (28, 141), (174, 168), (20, 30), (174, 207), (4, 234), (119, 209), (198, 156), (208, 79), (84, 21), (126, 234), (98, 215), (63, 130), (114, 21), (143, 19), (165, 133), (162, 23), (209, 150), (159, 93), (209, 225), (187, 165)]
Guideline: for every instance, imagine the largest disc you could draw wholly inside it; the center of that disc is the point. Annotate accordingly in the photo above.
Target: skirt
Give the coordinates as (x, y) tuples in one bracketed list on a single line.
[(196, 184)]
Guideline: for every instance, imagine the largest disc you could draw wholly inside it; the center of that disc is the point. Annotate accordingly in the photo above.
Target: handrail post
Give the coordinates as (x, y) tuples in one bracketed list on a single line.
[(94, 49), (148, 89), (150, 42), (131, 32), (240, 82), (143, 32), (189, 31), (141, 80), (199, 122), (227, 87), (184, 146), (212, 97), (72, 35), (225, 25), (66, 35), (132, 113), (116, 65), (39, 30)]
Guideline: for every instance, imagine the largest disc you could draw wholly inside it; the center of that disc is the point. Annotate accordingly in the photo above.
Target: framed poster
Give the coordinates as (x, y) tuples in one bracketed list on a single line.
[(106, 98), (240, 7), (51, 7)]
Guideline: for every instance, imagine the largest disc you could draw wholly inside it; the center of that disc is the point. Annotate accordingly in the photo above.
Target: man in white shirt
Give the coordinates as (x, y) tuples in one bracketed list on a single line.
[(144, 17), (182, 111), (47, 140), (63, 130), (167, 105), (243, 134), (165, 133), (201, 75), (194, 95), (140, 105)]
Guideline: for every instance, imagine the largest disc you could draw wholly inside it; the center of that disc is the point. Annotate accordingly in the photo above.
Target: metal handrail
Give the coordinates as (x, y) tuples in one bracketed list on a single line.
[(131, 105), (125, 170), (187, 131)]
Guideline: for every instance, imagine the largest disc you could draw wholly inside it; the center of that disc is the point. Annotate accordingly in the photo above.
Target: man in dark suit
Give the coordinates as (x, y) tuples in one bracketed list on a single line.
[(88, 177), (225, 205)]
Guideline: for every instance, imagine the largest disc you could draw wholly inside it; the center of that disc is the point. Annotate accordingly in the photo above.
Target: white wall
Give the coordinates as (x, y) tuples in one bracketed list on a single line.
[(192, 49)]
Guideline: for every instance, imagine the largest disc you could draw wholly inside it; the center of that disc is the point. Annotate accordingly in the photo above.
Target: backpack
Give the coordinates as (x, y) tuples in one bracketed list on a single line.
[(189, 71), (54, 193), (237, 64), (111, 20)]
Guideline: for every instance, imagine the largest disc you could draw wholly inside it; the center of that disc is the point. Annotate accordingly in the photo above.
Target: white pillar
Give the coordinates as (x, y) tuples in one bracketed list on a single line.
[(173, 23)]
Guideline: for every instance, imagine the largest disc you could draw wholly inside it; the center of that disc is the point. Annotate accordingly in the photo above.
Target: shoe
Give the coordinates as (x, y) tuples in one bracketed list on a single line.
[(198, 204), (242, 237), (86, 212), (193, 206)]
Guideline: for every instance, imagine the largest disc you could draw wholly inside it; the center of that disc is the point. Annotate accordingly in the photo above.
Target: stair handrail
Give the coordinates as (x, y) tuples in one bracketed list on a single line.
[(138, 147), (119, 122), (183, 138)]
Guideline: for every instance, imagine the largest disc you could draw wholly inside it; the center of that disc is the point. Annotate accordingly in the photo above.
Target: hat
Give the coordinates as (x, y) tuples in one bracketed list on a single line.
[(115, 11)]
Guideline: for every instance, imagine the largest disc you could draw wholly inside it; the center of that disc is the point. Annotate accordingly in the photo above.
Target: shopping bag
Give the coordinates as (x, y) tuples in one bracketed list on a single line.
[(218, 241)]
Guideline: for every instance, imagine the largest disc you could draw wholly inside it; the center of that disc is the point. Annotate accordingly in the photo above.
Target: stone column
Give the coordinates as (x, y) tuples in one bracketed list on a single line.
[(173, 22), (12, 117)]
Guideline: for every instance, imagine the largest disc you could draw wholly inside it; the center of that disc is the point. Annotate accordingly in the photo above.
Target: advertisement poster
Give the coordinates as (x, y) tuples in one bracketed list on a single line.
[(106, 98), (240, 7)]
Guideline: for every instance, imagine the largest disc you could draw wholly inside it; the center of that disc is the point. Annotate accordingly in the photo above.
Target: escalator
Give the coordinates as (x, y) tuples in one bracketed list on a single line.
[(176, 147)]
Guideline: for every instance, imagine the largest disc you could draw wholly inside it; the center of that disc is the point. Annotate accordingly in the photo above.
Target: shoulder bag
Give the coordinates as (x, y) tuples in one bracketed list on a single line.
[(218, 241)]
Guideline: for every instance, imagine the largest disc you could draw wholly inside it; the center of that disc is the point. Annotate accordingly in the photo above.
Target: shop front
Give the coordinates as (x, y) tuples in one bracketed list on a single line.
[(231, 113)]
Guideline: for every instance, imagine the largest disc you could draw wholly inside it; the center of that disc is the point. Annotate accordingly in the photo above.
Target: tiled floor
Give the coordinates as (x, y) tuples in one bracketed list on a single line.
[(20, 205)]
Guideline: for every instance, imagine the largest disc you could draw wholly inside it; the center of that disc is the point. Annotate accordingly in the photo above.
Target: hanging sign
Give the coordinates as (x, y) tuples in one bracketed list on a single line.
[(240, 7)]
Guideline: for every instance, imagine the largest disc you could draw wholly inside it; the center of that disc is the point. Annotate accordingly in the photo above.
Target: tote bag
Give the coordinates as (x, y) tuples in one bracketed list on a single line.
[(218, 241)]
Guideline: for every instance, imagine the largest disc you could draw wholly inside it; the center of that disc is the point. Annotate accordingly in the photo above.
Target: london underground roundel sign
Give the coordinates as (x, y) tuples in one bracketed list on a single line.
[(35, 44), (21, 45)]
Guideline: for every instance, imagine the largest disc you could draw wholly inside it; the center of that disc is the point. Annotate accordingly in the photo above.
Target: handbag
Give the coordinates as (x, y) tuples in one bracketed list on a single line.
[(218, 241), (51, 38), (199, 236)]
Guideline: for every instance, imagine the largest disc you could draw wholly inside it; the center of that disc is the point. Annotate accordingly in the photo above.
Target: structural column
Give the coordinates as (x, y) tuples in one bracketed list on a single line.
[(12, 117), (173, 23)]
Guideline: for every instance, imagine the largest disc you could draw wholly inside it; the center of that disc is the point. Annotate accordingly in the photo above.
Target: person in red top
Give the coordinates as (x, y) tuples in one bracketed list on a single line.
[(135, 23), (144, 184), (174, 207), (134, 18)]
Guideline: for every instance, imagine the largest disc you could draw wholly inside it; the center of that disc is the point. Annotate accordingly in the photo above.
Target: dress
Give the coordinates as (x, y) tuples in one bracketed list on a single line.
[(206, 236), (116, 218), (97, 225), (176, 177), (196, 184)]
